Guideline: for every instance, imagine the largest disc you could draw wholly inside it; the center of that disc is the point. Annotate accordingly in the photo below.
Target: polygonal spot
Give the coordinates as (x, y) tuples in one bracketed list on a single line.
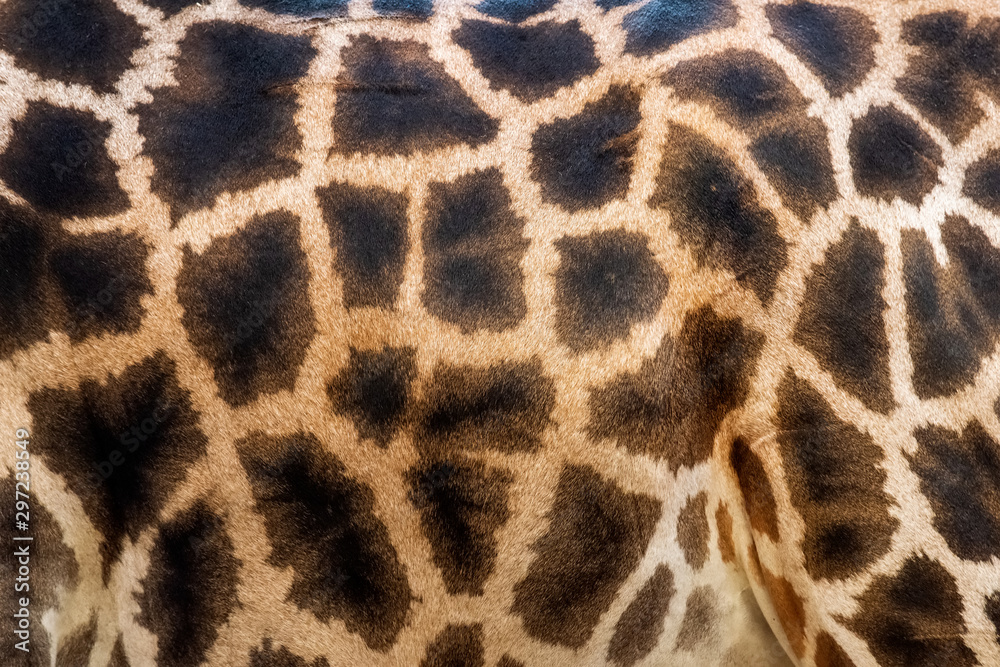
[(246, 307), (715, 211), (660, 24), (531, 62), (670, 409), (914, 617), (836, 43), (190, 586), (503, 407), (229, 123), (57, 161), (596, 536), (374, 390), (642, 622), (368, 233), (606, 282), (87, 42), (586, 161), (462, 504), (393, 99), (121, 446), (321, 523), (892, 157), (301, 8), (473, 245)]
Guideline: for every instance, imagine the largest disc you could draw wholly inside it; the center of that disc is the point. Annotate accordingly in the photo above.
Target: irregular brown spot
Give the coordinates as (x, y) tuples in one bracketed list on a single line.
[(715, 210), (829, 653), (246, 307), (914, 618), (75, 651), (121, 446), (462, 504), (724, 522), (836, 43), (671, 408), (756, 489), (641, 624), (790, 609), (504, 407), (456, 646), (993, 612), (953, 311), (836, 481), (374, 390), (700, 618), (692, 530), (754, 94), (596, 536), (321, 524), (190, 588), (507, 661), (841, 321), (960, 477)]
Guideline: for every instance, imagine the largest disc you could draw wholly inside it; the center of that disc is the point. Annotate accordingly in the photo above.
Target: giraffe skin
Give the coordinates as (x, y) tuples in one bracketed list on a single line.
[(500, 332)]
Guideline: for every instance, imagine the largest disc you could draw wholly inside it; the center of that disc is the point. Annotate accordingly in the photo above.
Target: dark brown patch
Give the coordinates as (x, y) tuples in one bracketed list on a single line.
[(660, 24), (596, 536), (982, 181), (121, 446), (892, 157), (83, 284), (641, 624), (836, 43), (504, 407), (953, 62), (586, 161), (715, 210), (394, 99), (456, 646), (829, 653), (531, 61), (836, 482), (75, 651), (88, 42), (473, 246), (606, 283), (756, 489), (841, 321), (118, 657), (671, 408), (322, 524), (368, 233), (246, 307), (699, 623), (266, 656), (462, 504), (754, 94), (190, 587), (223, 127), (507, 661), (724, 523), (57, 161), (791, 612), (993, 612), (914, 617), (374, 390), (692, 530), (951, 311), (960, 477)]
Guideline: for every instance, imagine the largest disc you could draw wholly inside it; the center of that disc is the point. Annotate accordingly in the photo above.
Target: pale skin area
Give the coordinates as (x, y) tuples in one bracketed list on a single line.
[(746, 629)]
